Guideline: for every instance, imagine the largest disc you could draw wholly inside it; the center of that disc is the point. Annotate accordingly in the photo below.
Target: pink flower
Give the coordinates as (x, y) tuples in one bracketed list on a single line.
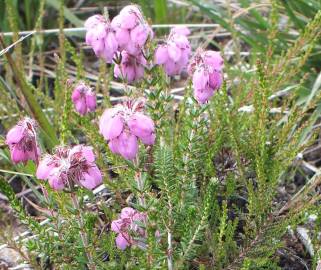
[(131, 68), (132, 30), (22, 141), (101, 37), (180, 30), (69, 166), (123, 125), (83, 98), (206, 69), (129, 228), (175, 52)]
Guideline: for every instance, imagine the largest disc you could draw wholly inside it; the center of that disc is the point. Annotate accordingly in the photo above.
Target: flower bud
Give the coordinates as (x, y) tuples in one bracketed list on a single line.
[(22, 141), (206, 70), (83, 98)]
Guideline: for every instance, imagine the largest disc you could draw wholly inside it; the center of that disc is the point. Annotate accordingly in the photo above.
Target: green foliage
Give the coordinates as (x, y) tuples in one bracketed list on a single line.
[(209, 183)]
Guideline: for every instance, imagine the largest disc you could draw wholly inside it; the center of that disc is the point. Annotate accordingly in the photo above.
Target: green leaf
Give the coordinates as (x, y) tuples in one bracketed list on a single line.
[(160, 9)]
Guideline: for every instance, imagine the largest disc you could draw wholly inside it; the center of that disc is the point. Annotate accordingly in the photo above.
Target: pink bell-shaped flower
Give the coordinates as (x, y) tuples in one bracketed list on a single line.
[(69, 166), (131, 67), (101, 37), (123, 125), (207, 76), (83, 98), (174, 54), (128, 228), (22, 141), (180, 30), (132, 30)]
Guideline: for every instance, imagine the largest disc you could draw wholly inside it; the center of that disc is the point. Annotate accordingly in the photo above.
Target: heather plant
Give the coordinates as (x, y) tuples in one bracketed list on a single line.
[(156, 180)]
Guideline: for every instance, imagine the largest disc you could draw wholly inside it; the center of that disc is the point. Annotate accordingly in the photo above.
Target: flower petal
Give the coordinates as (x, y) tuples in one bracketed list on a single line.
[(56, 182), (44, 170), (213, 59), (91, 101), (203, 95), (15, 134), (127, 145), (84, 151), (75, 95), (180, 30), (200, 79), (149, 140), (141, 125), (127, 212), (216, 79), (113, 146), (92, 178), (80, 106), (116, 225), (139, 35), (121, 241), (18, 155), (161, 55), (122, 36), (174, 52), (112, 127)]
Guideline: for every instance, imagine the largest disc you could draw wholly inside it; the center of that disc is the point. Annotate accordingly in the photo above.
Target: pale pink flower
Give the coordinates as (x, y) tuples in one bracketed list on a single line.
[(83, 98), (180, 30), (69, 166), (174, 54), (123, 125), (206, 69), (22, 141), (101, 37), (132, 30), (129, 228), (131, 67)]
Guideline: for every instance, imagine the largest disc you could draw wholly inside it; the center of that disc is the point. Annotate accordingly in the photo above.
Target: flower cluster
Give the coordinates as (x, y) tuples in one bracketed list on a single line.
[(123, 39), (101, 37), (131, 67), (83, 98), (206, 69), (22, 141), (174, 53), (124, 124), (132, 31), (129, 228), (69, 166)]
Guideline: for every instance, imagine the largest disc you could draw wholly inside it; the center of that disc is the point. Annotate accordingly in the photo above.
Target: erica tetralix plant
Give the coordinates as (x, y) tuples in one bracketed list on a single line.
[(206, 69), (132, 30), (101, 37), (83, 98), (128, 228), (124, 124), (22, 141), (174, 53), (69, 166)]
